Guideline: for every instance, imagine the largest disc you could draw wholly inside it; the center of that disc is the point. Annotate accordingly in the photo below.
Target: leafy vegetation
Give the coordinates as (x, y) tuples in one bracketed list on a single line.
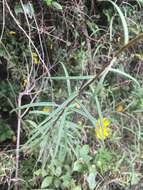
[(71, 95)]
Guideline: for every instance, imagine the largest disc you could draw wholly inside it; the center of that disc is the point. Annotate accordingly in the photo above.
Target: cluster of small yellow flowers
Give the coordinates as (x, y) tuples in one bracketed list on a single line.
[(35, 58), (102, 130)]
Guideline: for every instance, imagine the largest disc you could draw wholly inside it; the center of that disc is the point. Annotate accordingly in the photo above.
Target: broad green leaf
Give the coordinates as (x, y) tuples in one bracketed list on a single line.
[(91, 177), (77, 167), (91, 180), (58, 171), (47, 181), (84, 153), (66, 180), (57, 182), (84, 150), (18, 9), (43, 172), (38, 172)]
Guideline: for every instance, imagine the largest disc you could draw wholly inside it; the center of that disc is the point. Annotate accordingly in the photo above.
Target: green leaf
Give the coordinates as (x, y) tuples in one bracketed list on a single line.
[(37, 172), (48, 2), (77, 188), (2, 52), (84, 154), (58, 171), (18, 9), (57, 6), (123, 20), (47, 181), (66, 180), (60, 133), (91, 180), (87, 113), (77, 166), (68, 81), (26, 8), (71, 77), (125, 75), (84, 150), (5, 131), (38, 104), (43, 172), (57, 182), (91, 177), (134, 178)]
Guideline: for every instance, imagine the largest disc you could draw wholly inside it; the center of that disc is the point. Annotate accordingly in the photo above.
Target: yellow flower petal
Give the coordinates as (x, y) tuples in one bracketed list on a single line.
[(36, 61), (102, 130), (103, 122), (34, 55)]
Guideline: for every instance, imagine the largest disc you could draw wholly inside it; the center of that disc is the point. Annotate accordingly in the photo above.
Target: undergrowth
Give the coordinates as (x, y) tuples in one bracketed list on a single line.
[(71, 95)]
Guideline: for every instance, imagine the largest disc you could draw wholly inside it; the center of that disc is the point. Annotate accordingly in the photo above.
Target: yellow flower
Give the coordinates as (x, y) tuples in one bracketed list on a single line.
[(46, 109), (12, 33), (35, 58), (102, 129), (34, 54)]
